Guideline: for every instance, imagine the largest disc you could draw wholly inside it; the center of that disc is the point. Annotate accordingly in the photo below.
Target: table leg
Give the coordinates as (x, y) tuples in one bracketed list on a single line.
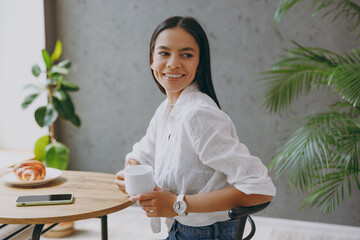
[(104, 228), (37, 232)]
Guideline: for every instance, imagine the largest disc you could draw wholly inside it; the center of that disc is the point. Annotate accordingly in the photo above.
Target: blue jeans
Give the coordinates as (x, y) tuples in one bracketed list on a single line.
[(217, 231)]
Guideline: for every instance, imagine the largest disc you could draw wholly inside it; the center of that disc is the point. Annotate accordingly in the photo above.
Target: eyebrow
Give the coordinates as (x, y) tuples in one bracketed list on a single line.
[(181, 50)]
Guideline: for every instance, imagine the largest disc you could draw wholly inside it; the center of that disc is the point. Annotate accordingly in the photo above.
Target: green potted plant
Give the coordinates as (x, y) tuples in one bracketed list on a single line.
[(322, 150), (59, 104)]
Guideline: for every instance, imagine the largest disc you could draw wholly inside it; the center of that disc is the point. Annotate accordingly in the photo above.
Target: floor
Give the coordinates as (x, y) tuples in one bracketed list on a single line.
[(132, 224)]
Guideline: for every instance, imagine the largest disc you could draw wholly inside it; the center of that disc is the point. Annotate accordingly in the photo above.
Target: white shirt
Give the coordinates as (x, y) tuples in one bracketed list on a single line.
[(194, 148)]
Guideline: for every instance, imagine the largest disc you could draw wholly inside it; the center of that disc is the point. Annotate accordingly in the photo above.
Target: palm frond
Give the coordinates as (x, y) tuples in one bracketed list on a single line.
[(348, 10), (321, 142), (321, 55), (285, 85), (282, 8), (306, 68), (345, 81), (296, 74), (331, 190)]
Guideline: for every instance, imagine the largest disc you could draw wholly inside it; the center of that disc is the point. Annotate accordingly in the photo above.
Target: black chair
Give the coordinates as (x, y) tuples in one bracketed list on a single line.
[(243, 214)]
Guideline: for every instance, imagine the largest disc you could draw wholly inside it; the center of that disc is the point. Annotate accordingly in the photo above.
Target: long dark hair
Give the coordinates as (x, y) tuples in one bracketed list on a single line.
[(191, 25)]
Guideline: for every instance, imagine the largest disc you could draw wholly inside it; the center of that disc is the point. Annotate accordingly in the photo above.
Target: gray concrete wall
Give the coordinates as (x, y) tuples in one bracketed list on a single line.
[(108, 44)]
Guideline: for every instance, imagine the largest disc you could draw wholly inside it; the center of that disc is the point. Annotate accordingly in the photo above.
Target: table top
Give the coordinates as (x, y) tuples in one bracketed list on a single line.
[(95, 195)]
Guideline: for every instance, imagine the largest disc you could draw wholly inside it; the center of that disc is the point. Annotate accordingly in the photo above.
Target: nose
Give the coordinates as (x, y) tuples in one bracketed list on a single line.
[(173, 62)]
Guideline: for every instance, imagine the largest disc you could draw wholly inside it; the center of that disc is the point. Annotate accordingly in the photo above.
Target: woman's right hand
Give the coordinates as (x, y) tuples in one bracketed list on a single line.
[(120, 179)]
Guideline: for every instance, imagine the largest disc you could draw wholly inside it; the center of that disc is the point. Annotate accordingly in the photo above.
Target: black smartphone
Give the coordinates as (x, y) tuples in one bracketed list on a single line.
[(34, 200)]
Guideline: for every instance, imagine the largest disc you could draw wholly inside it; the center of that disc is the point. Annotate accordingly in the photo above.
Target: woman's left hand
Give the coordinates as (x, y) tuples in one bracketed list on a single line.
[(158, 203)]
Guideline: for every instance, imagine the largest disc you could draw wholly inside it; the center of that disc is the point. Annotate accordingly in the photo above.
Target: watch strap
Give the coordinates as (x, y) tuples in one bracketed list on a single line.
[(180, 197)]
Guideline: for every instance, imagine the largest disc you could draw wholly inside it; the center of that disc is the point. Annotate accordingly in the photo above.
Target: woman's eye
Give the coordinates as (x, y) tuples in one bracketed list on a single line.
[(163, 53), (187, 55)]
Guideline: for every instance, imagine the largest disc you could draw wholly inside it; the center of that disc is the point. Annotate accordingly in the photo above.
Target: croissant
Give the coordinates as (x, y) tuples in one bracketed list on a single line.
[(30, 170)]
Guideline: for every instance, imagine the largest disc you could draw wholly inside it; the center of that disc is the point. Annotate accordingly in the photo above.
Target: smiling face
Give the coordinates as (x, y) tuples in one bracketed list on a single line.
[(175, 60)]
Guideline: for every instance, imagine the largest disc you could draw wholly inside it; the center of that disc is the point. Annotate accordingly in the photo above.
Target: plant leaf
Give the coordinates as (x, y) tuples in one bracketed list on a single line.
[(63, 104), (307, 68), (34, 88), (282, 8), (46, 115), (331, 193), (40, 146), (345, 80), (65, 63), (36, 70), (76, 120), (57, 155), (46, 58), (322, 150), (68, 86), (348, 10), (61, 70), (39, 116), (28, 100), (57, 51)]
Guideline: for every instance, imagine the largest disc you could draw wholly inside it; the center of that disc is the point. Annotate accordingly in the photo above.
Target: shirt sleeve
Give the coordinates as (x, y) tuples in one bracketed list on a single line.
[(144, 150), (214, 138)]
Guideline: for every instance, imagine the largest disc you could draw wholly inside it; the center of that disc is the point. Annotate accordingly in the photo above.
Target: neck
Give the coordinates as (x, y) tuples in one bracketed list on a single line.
[(172, 97)]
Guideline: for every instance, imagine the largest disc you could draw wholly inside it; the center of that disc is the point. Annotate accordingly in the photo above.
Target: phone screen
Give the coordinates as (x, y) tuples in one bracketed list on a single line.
[(44, 199)]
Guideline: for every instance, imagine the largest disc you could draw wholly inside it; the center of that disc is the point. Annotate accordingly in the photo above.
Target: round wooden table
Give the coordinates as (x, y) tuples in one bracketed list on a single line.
[(95, 195)]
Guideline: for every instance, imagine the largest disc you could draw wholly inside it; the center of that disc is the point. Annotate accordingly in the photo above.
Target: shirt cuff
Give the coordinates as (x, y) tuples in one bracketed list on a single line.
[(266, 188)]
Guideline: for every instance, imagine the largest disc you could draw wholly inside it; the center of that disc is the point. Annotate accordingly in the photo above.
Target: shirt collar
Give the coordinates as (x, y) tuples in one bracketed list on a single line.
[(193, 87), (189, 90)]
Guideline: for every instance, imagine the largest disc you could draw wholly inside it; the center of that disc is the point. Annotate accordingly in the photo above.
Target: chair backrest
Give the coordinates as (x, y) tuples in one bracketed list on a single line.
[(243, 214)]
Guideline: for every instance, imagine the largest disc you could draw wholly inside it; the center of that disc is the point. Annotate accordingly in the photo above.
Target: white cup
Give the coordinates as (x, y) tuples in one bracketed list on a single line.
[(139, 179)]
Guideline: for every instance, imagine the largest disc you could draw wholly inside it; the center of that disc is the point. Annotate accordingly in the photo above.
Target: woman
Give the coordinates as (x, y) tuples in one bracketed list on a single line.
[(201, 169)]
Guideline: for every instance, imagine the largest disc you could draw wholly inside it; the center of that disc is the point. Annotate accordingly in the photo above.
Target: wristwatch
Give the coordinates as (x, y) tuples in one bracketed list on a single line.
[(180, 205)]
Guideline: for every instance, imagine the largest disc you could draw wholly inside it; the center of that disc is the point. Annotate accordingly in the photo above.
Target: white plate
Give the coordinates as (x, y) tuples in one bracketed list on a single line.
[(51, 174)]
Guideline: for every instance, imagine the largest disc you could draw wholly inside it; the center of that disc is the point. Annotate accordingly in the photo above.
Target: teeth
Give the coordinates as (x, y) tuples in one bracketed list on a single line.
[(173, 75)]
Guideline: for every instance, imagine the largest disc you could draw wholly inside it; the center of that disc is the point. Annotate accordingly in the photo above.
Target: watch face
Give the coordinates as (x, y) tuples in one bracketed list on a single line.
[(180, 207)]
